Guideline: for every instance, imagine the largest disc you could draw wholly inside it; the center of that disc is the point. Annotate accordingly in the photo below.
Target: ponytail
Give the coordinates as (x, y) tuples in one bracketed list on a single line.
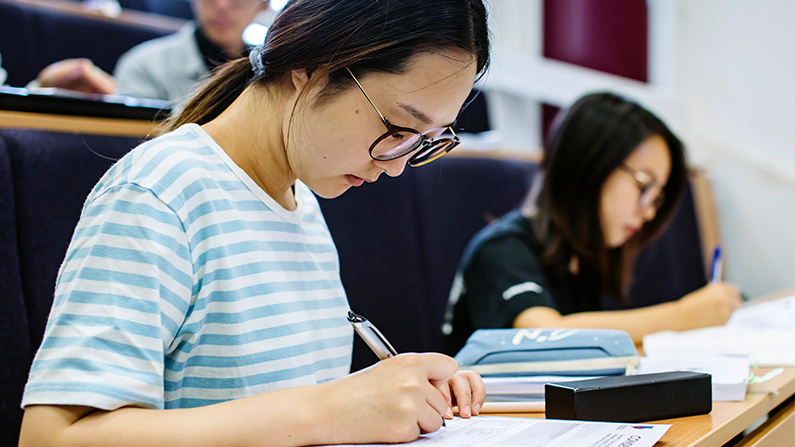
[(213, 96)]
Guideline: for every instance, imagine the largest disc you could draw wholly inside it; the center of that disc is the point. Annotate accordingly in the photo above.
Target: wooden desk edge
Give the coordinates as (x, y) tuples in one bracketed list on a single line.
[(78, 124), (771, 432)]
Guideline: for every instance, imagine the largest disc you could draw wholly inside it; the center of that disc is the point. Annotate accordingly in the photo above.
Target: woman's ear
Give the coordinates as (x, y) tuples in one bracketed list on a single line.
[(300, 79)]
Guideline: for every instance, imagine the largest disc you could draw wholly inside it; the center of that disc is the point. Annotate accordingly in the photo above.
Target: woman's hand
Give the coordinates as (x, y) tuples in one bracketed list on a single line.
[(77, 74), (468, 392), (394, 400), (711, 305)]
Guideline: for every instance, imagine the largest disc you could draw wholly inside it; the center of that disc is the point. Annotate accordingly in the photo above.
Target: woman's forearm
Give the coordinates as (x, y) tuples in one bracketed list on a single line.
[(636, 322), (279, 418)]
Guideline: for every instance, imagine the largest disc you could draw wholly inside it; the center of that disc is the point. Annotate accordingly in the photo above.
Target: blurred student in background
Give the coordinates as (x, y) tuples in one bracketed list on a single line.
[(611, 178), (170, 67)]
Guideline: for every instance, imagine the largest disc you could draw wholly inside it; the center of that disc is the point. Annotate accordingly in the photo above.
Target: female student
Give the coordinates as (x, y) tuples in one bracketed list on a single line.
[(611, 178), (200, 301)]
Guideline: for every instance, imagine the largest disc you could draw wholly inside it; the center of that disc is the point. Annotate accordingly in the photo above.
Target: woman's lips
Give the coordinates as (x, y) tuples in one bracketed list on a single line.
[(631, 230), (355, 181)]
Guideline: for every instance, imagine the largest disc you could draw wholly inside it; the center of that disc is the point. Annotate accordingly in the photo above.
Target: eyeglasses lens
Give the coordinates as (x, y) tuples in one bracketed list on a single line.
[(395, 145), (432, 152)]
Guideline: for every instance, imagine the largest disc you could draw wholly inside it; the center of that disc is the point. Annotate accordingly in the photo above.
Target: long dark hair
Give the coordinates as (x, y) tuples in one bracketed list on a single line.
[(325, 36), (588, 143)]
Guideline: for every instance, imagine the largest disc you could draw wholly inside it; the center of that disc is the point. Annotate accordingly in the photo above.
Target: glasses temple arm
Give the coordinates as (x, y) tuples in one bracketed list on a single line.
[(368, 98)]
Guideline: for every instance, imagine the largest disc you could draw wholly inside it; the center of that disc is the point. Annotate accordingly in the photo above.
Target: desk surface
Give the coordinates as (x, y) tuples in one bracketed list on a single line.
[(729, 419)]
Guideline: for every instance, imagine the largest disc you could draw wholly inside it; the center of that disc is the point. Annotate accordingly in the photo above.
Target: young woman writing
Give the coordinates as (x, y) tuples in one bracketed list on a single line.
[(611, 178), (200, 301)]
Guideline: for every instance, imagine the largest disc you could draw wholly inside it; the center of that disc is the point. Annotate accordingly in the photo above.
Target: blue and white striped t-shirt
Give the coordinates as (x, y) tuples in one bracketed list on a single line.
[(185, 285)]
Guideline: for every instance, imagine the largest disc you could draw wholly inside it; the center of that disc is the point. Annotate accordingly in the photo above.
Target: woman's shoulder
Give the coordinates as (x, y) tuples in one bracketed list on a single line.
[(512, 232), (171, 162), (513, 225)]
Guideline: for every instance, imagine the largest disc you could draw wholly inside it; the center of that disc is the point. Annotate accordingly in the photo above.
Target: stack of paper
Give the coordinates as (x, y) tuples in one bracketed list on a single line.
[(519, 394), (729, 374), (522, 387)]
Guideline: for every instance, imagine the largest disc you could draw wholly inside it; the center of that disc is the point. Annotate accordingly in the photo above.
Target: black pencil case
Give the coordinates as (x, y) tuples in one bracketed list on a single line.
[(644, 397)]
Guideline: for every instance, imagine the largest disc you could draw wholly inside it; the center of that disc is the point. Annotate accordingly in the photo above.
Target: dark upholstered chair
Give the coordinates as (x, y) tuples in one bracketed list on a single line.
[(15, 350), (173, 8), (32, 37), (44, 179)]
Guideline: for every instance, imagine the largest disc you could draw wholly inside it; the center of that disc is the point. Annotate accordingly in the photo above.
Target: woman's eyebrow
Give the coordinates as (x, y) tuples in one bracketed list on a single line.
[(419, 115), (415, 113)]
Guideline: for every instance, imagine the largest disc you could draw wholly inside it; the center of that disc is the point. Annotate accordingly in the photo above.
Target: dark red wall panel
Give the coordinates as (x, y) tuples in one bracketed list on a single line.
[(606, 35)]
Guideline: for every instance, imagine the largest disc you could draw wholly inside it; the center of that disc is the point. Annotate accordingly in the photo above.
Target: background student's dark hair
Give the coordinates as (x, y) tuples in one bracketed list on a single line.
[(588, 143), (325, 36)]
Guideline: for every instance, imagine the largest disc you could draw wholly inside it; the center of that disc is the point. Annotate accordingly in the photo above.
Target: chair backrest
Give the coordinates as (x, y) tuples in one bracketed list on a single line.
[(174, 8), (32, 37), (45, 178), (53, 174), (15, 349)]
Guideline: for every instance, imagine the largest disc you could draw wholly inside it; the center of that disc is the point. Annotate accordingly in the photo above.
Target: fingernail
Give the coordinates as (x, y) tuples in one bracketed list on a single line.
[(477, 409), (449, 413), (467, 411)]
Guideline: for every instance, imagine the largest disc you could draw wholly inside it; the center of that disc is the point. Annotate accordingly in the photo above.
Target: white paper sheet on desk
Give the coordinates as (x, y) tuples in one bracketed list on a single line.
[(483, 431), (729, 374), (777, 314), (764, 348), (764, 331)]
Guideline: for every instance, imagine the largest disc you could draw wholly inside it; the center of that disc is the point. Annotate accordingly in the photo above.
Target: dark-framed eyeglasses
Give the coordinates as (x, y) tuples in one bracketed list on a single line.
[(646, 184), (399, 141)]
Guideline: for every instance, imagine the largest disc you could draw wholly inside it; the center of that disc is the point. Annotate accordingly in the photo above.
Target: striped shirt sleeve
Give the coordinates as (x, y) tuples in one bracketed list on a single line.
[(122, 293)]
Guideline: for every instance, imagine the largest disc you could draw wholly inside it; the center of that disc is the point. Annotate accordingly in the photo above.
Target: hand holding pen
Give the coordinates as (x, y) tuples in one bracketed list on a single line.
[(466, 386)]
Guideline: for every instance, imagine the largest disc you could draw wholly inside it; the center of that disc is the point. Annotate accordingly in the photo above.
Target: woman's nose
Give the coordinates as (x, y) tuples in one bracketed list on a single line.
[(648, 212), (393, 168)]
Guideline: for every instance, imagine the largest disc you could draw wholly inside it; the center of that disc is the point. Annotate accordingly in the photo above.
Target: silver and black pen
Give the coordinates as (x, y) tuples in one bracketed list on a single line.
[(375, 340)]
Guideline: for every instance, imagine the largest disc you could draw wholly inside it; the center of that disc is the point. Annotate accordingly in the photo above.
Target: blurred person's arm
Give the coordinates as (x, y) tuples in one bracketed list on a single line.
[(76, 74), (710, 305)]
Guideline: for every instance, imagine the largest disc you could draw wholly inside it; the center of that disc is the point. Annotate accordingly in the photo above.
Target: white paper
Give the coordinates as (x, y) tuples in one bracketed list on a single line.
[(764, 331), (729, 374), (766, 315), (483, 431), (768, 348)]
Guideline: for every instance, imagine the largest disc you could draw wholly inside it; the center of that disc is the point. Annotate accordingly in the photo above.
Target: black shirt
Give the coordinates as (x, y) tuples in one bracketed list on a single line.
[(501, 275), (212, 54)]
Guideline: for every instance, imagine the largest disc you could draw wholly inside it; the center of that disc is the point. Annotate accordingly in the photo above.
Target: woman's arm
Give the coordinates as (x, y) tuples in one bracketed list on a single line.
[(393, 401), (709, 306)]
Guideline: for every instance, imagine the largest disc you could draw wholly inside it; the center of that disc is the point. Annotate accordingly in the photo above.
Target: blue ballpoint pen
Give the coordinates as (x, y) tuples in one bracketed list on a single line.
[(716, 268), (374, 339)]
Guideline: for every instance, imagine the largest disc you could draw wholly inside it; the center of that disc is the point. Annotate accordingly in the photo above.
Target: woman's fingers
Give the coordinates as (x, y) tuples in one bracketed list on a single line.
[(469, 392)]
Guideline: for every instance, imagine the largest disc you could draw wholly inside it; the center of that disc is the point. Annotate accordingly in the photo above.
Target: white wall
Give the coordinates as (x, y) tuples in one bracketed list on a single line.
[(722, 75), (737, 80)]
